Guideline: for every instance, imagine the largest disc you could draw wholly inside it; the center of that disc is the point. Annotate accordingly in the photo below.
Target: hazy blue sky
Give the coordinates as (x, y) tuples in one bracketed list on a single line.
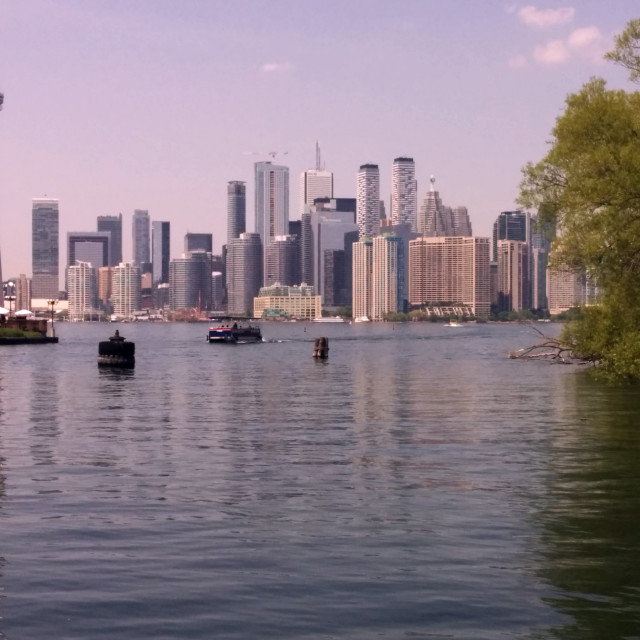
[(113, 105)]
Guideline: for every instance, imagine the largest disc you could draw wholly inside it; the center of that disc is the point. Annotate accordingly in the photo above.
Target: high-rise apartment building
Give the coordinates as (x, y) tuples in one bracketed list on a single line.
[(45, 249), (244, 272), (23, 292), (236, 209), (105, 285), (387, 276), (113, 224), (451, 270), (89, 246), (198, 242), (190, 281), (368, 200), (126, 289), (404, 192), (568, 288), (140, 240), (82, 291), (514, 284), (271, 201), (160, 250), (362, 278)]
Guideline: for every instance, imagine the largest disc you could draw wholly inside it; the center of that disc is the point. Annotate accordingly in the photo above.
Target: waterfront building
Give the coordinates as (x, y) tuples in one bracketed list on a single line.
[(45, 249), (282, 261), (160, 250), (236, 209), (450, 271), (279, 301), (271, 201), (245, 272), (88, 246), (362, 278), (511, 225), (568, 288), (126, 296), (368, 200), (198, 242), (112, 225), (82, 291), (514, 284), (387, 277), (140, 240), (404, 193)]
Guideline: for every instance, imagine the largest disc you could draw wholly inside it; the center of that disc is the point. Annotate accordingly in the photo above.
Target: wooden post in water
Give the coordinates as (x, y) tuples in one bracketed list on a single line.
[(321, 348)]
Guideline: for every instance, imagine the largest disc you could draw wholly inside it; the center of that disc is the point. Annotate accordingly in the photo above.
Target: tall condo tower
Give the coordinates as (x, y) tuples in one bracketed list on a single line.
[(45, 249), (113, 224), (368, 200), (362, 278), (244, 272), (140, 239), (160, 249), (404, 192), (126, 289), (511, 225), (272, 201), (236, 209), (315, 183)]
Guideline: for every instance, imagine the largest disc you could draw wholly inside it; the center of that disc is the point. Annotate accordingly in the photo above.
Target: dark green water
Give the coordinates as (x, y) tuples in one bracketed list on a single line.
[(418, 484)]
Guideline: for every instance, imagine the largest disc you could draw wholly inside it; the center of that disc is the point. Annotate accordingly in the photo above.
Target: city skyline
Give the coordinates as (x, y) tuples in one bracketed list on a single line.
[(158, 123)]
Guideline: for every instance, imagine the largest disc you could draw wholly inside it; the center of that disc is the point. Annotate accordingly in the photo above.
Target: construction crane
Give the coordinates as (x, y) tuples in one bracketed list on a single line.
[(271, 154)]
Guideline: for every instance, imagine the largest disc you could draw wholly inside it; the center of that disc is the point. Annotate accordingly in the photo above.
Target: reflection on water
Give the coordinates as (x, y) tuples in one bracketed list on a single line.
[(591, 545), (417, 483)]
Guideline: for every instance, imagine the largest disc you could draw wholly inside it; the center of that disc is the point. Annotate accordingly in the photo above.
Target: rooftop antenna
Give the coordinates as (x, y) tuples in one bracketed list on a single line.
[(433, 183), (318, 162)]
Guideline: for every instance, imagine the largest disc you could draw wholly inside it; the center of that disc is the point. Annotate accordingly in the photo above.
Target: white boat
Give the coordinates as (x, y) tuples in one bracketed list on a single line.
[(329, 319), (362, 319)]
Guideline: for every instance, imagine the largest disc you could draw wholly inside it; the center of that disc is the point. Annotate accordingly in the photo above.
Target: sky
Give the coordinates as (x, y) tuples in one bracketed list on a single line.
[(116, 105)]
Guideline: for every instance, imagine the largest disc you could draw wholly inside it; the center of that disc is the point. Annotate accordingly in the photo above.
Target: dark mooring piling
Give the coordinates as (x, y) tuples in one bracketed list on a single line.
[(321, 348), (116, 352)]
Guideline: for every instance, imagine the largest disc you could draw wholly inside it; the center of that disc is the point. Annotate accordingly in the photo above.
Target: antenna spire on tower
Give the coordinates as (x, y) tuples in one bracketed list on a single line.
[(318, 160)]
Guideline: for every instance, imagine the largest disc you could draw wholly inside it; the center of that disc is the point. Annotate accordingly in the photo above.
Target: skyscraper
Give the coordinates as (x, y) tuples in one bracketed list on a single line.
[(315, 183), (82, 291), (368, 200), (387, 276), (113, 224), (88, 246), (362, 278), (190, 281), (282, 262), (404, 192), (514, 285), (244, 271), (160, 250), (511, 225), (198, 242), (140, 239), (236, 209), (44, 249), (272, 201), (434, 219)]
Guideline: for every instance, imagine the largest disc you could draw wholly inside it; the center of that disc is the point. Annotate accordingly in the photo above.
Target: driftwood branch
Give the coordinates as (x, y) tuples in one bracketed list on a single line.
[(547, 349)]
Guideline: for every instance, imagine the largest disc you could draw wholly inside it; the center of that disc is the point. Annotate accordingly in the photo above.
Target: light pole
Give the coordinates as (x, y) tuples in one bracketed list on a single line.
[(52, 303), (11, 295)]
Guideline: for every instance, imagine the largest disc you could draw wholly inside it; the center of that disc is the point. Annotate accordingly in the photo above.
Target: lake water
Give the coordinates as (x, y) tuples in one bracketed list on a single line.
[(417, 484)]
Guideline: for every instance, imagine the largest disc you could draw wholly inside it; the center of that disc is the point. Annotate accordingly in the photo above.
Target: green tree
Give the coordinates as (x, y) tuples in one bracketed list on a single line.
[(588, 186)]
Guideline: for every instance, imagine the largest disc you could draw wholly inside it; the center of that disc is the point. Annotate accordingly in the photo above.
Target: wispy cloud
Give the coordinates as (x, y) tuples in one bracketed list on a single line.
[(277, 67), (554, 52), (544, 18)]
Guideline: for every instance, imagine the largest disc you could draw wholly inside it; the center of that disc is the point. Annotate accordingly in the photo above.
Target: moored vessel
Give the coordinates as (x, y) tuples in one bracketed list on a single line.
[(230, 331)]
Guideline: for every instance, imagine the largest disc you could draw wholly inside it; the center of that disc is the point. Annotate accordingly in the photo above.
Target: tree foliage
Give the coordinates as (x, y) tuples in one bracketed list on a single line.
[(588, 186)]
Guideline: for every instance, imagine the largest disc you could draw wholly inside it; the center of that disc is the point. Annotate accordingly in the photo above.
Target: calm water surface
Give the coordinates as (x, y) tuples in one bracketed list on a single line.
[(418, 484)]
